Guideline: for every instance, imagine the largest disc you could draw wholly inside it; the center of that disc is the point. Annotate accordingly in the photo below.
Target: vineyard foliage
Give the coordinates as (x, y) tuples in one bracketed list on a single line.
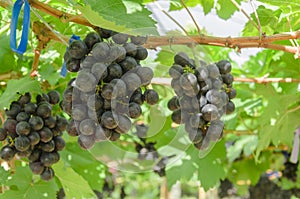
[(262, 125)]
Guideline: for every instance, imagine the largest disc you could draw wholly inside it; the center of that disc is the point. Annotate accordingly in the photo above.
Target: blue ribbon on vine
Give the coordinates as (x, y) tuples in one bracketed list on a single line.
[(64, 71), (13, 26)]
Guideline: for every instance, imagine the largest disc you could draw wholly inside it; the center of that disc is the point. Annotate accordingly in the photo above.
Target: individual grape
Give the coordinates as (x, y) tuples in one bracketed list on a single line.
[(137, 97), (107, 91), (85, 81), (36, 167), (119, 88), (189, 103), (101, 51), (23, 128), (182, 59), (24, 99), (99, 70), (176, 71), (86, 141), (13, 111), (227, 79), (35, 155), (217, 84), (210, 112), (105, 33), (59, 143), (48, 146), (108, 120), (215, 130), (138, 40), (47, 174), (128, 64), (10, 125), (130, 49), (206, 85), (3, 134), (196, 121), (232, 93), (151, 96), (173, 103), (120, 38), (61, 123), (79, 112), (54, 97), (42, 98), (73, 65), (22, 116), (201, 73), (230, 107), (134, 110), (202, 101), (95, 102), (196, 136), (146, 74), (91, 39), (22, 143), (117, 53), (34, 138), (45, 134), (50, 122), (84, 96), (77, 49), (141, 130), (49, 158), (176, 87), (132, 81), (7, 153), (124, 124), (114, 71), (213, 71), (36, 123), (30, 108), (114, 136), (141, 53), (72, 128), (87, 127), (224, 66), (102, 133), (188, 81), (176, 116), (44, 110), (214, 96)]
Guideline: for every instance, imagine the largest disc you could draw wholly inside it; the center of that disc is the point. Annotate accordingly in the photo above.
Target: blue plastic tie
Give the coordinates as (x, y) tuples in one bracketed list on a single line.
[(64, 71), (13, 26)]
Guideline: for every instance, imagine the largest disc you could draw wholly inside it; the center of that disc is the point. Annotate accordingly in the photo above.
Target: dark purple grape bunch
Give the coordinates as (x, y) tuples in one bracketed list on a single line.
[(109, 89), (146, 150), (32, 131), (203, 94)]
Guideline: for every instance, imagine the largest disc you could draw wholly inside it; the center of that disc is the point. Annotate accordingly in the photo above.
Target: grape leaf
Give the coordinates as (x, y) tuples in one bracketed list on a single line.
[(176, 173), (6, 55), (73, 184), (114, 15), (84, 164), (3, 175), (225, 8), (25, 84), (210, 167), (22, 186)]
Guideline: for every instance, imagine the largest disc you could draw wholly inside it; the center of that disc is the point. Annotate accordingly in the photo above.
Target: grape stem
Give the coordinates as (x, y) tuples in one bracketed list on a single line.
[(167, 81), (261, 41)]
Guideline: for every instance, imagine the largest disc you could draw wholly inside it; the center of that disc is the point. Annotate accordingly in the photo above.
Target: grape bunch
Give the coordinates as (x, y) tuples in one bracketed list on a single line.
[(203, 94), (31, 131), (110, 87)]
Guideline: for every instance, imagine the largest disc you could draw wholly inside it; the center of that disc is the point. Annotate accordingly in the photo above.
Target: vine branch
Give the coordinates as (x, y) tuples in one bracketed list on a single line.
[(263, 80)]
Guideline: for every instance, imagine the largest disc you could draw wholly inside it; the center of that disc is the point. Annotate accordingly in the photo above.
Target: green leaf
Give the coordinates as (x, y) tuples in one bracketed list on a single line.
[(210, 167), (25, 84), (73, 184), (207, 5), (225, 8), (114, 15), (22, 186), (184, 171), (7, 59), (3, 175)]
